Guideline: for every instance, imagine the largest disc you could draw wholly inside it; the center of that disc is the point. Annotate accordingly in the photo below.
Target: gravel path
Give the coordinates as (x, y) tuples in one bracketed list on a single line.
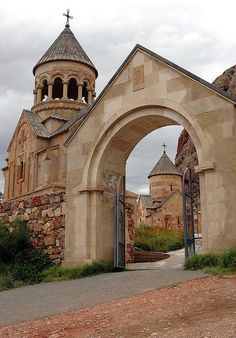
[(38, 301)]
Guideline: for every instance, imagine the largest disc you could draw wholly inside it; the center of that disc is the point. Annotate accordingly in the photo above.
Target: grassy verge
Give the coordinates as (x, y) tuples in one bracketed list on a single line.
[(162, 239), (57, 272), (9, 279), (215, 264)]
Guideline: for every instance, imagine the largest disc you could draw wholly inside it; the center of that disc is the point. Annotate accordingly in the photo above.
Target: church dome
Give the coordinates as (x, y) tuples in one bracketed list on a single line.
[(164, 167), (65, 48)]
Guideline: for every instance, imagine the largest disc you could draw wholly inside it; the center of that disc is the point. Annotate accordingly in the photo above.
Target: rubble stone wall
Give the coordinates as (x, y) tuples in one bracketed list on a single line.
[(130, 219), (45, 215)]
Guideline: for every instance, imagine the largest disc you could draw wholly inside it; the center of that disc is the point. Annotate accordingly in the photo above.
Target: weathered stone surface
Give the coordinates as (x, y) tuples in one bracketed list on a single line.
[(186, 154), (129, 208), (45, 217), (50, 240)]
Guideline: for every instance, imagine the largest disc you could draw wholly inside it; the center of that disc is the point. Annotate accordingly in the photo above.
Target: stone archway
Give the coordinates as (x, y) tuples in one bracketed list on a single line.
[(146, 94), (108, 163)]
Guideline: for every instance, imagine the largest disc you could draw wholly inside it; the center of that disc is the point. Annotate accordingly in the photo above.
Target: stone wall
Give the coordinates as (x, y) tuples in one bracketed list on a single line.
[(45, 216), (130, 219)]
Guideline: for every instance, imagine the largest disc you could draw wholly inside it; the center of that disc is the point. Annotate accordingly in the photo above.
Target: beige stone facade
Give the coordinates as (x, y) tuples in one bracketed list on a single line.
[(64, 85), (120, 118), (168, 213), (163, 207), (87, 153)]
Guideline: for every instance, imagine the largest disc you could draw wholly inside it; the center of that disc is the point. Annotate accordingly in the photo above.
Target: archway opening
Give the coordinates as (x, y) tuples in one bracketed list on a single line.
[(44, 90), (109, 162), (154, 198), (57, 92), (85, 92), (72, 89)]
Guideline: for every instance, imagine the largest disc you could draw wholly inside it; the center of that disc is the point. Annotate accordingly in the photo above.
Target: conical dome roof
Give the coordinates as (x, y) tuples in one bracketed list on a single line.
[(65, 47), (164, 166)]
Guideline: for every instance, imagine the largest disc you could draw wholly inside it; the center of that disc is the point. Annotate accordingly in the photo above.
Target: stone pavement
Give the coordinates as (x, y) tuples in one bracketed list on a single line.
[(38, 301)]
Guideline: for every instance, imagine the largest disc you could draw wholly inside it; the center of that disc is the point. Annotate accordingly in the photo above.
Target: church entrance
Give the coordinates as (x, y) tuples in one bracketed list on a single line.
[(148, 93), (107, 168)]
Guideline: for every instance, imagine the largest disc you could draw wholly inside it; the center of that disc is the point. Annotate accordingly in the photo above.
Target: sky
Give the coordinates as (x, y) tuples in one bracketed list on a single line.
[(196, 35)]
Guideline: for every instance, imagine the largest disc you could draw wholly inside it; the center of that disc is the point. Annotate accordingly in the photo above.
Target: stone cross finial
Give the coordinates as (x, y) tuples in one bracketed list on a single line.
[(68, 17), (164, 146)]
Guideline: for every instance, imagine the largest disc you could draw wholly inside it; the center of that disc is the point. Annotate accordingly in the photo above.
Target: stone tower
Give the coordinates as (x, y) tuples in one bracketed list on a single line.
[(64, 78), (64, 91), (164, 178)]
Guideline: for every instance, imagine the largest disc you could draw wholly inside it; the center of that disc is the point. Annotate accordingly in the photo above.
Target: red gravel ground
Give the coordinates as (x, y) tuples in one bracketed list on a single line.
[(199, 308)]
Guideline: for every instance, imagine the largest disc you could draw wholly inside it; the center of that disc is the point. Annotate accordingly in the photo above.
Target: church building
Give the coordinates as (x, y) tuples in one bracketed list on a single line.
[(64, 88), (67, 156), (163, 207)]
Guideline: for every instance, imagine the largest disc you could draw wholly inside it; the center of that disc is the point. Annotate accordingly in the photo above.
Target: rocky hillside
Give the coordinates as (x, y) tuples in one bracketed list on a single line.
[(186, 153), (227, 81)]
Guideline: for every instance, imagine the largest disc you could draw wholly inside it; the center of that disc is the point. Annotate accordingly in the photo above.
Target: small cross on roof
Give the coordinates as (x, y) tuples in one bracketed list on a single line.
[(67, 14), (164, 146)]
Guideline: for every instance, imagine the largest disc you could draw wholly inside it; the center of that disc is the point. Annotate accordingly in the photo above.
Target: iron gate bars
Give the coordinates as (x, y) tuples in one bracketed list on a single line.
[(119, 214), (188, 203)]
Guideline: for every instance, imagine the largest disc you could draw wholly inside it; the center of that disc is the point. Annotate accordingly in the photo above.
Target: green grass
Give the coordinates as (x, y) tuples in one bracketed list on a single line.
[(162, 239), (58, 272), (10, 279), (215, 264)]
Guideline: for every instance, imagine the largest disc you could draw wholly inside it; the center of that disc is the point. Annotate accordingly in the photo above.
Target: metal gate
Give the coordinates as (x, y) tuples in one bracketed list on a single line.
[(119, 247), (192, 235)]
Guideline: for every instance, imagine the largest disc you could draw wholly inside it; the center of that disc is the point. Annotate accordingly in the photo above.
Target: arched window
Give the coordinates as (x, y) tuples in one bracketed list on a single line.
[(44, 90), (72, 89), (85, 92), (57, 92)]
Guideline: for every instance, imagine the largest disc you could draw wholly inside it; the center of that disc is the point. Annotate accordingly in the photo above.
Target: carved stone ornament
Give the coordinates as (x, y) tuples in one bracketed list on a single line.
[(138, 77)]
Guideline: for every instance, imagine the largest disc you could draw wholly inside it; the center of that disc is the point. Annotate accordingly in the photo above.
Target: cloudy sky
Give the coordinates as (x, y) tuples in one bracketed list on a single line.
[(197, 35)]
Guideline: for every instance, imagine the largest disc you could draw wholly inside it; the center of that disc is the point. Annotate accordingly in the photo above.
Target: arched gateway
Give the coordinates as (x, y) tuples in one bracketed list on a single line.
[(146, 93)]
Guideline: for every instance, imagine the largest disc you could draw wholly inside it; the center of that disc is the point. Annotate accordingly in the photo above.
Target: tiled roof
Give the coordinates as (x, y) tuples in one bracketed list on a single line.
[(76, 119), (65, 47), (164, 166), (36, 124), (56, 116), (41, 131), (147, 201), (39, 128), (131, 194)]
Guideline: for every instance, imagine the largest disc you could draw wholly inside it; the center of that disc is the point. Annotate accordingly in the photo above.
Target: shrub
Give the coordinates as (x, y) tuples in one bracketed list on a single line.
[(221, 264), (20, 263), (228, 259), (200, 261), (7, 281), (28, 265), (13, 240), (161, 239)]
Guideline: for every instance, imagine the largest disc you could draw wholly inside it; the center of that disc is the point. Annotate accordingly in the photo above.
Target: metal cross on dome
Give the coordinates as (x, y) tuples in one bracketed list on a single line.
[(68, 17), (164, 146)]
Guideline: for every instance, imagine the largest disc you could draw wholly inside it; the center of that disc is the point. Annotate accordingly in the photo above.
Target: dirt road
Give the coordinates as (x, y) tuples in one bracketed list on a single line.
[(198, 308)]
